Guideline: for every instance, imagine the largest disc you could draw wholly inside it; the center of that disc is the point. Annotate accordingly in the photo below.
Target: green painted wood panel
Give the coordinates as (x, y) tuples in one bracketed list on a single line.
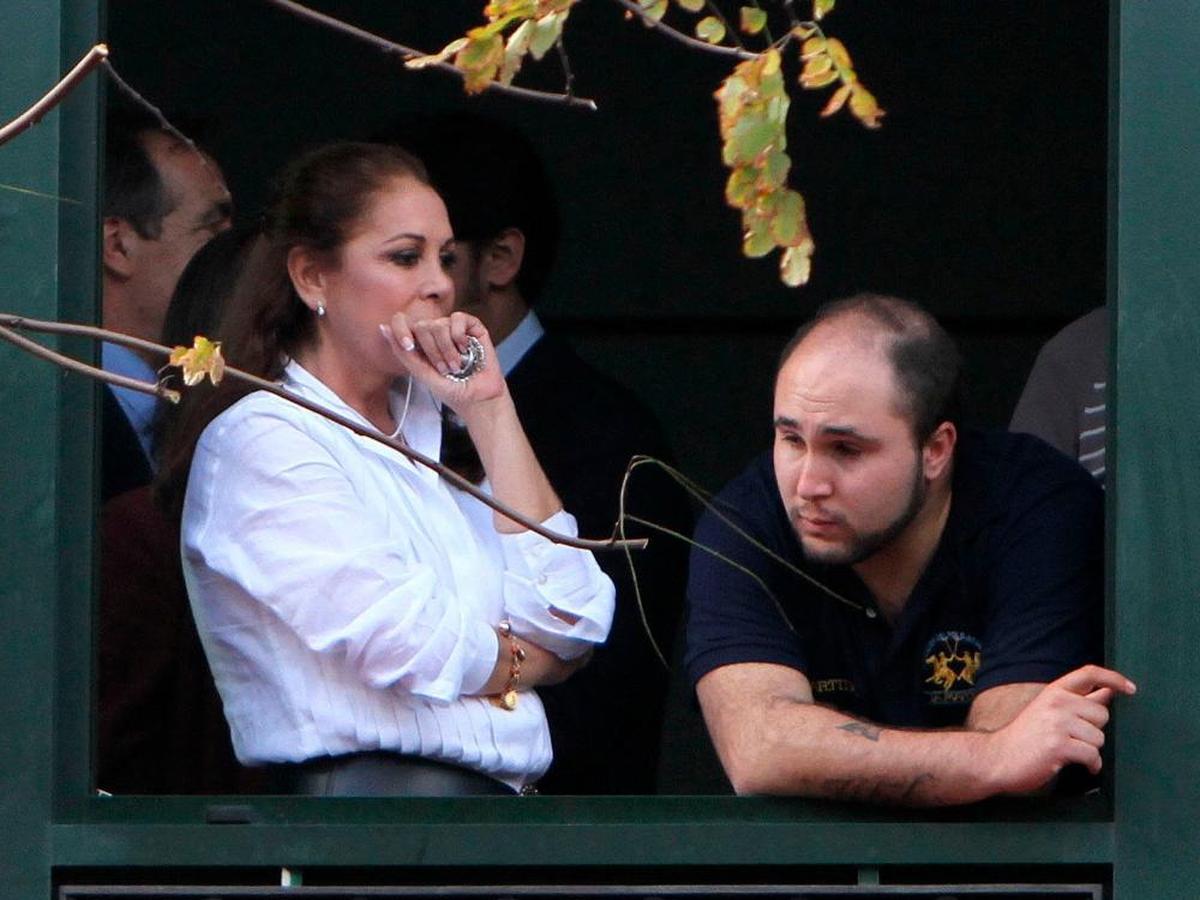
[(1157, 475), (47, 255), (29, 173)]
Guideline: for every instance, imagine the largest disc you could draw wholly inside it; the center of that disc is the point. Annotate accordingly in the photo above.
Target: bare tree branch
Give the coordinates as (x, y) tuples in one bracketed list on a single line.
[(676, 35), (568, 75), (55, 95), (163, 123), (74, 365), (388, 46), (9, 321)]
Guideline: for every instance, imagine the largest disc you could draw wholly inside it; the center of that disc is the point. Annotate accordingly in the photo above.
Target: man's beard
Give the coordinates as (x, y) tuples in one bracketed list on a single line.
[(863, 546)]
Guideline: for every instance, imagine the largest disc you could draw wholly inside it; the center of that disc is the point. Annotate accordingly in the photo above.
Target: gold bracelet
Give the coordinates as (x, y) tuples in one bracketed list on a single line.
[(507, 698)]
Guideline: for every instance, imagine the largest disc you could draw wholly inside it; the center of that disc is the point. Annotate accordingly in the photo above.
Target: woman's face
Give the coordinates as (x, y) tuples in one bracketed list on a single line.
[(396, 260)]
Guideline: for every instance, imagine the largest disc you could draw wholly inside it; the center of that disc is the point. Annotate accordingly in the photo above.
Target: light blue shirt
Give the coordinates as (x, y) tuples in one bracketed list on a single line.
[(513, 348), (139, 408)]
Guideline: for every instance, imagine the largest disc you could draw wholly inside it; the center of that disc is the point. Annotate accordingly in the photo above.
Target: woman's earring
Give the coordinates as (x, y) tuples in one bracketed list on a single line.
[(320, 310)]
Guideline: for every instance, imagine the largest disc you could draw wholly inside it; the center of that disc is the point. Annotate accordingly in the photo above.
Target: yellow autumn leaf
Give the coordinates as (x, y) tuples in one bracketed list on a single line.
[(816, 82), (742, 188), (838, 51), (514, 51), (202, 358), (420, 62), (789, 227), (813, 46), (753, 19), (510, 8), (479, 61), (818, 73), (756, 239), (692, 6), (795, 265), (864, 106), (710, 29), (822, 8), (771, 61), (655, 9), (775, 167), (837, 101)]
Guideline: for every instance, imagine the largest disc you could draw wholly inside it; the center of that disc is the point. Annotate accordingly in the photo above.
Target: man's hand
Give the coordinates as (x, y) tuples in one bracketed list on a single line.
[(1063, 724)]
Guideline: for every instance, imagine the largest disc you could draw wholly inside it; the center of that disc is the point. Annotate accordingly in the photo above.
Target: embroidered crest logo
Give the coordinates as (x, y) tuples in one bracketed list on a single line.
[(952, 660)]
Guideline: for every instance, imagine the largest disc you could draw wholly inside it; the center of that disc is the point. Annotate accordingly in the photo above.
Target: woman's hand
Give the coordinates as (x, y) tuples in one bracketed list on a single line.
[(430, 349)]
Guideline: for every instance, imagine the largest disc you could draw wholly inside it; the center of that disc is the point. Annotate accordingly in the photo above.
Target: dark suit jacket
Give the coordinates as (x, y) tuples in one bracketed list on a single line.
[(605, 721), (123, 462), (161, 726)]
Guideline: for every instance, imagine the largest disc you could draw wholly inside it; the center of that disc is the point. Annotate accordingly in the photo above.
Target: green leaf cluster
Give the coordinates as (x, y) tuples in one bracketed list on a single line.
[(494, 52), (752, 105), (826, 61), (753, 101)]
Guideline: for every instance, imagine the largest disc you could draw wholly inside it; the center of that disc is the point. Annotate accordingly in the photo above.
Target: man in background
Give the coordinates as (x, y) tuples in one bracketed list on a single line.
[(605, 720), (1065, 401), (163, 200)]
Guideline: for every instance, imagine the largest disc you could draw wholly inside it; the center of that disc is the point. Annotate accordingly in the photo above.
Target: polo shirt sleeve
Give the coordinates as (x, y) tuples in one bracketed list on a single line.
[(1045, 603), (731, 616)]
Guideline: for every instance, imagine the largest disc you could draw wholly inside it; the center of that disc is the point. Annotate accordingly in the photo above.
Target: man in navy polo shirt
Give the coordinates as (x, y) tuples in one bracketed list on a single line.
[(924, 627)]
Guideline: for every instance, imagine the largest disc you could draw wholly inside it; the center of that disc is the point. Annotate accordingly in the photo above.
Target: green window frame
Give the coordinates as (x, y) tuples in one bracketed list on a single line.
[(1139, 830)]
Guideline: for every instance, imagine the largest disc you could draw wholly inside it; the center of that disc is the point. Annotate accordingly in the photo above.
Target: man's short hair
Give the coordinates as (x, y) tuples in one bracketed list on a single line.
[(924, 357), (491, 178), (133, 187)]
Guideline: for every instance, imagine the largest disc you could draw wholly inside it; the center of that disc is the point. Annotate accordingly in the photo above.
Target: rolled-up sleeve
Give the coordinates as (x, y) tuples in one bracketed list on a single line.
[(554, 595)]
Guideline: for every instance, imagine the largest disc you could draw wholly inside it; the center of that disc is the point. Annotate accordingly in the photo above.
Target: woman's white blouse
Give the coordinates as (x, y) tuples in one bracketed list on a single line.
[(347, 598)]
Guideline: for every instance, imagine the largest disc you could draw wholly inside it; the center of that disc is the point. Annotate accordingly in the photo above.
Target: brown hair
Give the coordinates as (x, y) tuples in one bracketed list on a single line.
[(925, 360), (320, 198)]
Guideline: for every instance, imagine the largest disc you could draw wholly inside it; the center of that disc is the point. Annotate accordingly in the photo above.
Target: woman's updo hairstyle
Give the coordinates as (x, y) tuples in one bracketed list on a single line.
[(318, 201)]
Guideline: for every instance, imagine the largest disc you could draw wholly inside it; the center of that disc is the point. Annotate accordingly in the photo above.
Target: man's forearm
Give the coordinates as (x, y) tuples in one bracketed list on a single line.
[(772, 739), (805, 749)]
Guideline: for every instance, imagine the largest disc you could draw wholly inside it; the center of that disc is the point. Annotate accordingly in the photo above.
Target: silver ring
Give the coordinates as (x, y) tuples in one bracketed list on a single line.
[(473, 359)]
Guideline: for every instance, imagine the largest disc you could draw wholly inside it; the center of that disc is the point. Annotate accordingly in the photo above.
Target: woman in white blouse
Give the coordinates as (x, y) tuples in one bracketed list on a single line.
[(371, 629)]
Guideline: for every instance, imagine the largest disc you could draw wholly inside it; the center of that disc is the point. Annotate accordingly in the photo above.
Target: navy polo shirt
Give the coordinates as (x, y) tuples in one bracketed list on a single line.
[(1013, 593)]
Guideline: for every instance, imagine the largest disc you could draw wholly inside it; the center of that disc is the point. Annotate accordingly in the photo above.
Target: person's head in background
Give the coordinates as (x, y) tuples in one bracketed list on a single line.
[(163, 200), (198, 302), (501, 207)]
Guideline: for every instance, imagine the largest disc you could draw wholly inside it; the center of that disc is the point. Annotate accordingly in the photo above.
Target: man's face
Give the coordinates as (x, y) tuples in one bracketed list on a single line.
[(465, 273), (200, 208), (847, 465)]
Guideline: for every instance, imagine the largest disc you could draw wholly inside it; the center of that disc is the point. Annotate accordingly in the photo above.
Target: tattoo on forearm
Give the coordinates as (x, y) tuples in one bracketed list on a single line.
[(873, 790), (862, 729)]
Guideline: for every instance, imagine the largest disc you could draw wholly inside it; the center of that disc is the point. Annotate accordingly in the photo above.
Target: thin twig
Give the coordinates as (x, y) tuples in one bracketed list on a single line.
[(16, 189), (789, 9), (716, 13), (55, 95), (637, 590), (767, 26), (74, 365), (8, 320), (675, 34), (163, 122), (568, 75), (389, 46), (710, 503)]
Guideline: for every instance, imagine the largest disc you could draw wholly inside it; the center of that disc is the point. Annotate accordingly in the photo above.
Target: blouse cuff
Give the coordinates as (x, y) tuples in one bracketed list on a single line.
[(542, 576), (482, 652)]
